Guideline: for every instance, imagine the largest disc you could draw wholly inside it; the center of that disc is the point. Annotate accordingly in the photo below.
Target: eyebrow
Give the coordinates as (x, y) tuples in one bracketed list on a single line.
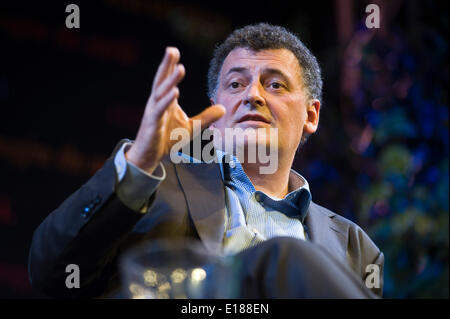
[(267, 70), (237, 70)]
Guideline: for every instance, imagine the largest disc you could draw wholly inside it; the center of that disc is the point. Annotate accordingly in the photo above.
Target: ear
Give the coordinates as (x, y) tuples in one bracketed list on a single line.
[(312, 120), (211, 101)]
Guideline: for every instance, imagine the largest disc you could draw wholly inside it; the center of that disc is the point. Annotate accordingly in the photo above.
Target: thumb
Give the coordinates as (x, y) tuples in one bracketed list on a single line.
[(210, 115)]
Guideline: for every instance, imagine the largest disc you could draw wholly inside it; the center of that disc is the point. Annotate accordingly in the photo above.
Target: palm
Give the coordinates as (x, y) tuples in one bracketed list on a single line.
[(173, 118)]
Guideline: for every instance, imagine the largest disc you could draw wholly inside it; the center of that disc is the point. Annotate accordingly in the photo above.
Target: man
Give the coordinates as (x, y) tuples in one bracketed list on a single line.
[(264, 79)]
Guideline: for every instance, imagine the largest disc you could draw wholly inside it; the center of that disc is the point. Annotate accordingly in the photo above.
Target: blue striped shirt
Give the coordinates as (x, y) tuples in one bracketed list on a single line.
[(252, 216)]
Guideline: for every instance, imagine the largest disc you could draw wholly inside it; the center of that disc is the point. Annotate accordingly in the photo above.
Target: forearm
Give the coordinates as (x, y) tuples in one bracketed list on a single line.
[(87, 230), (71, 235)]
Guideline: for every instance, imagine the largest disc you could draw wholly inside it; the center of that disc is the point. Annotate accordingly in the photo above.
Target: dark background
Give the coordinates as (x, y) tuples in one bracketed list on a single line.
[(379, 158)]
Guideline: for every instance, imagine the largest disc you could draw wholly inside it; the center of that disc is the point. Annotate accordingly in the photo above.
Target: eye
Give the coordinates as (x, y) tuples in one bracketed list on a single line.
[(276, 85), (234, 85)]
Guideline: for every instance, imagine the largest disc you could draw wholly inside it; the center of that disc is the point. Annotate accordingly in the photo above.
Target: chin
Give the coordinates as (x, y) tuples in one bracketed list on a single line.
[(248, 140), (252, 150)]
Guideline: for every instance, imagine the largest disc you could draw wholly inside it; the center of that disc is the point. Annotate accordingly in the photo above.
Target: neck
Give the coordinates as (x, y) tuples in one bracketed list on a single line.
[(275, 184)]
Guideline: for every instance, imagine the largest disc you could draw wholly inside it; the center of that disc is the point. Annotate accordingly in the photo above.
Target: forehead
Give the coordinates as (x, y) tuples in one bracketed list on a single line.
[(281, 59)]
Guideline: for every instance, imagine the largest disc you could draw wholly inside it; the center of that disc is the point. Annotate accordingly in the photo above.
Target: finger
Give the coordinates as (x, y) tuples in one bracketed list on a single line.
[(210, 115), (174, 61), (171, 58), (174, 78), (166, 100), (163, 66)]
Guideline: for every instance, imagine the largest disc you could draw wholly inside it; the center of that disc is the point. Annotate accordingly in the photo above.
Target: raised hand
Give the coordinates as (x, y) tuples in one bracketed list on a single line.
[(163, 114)]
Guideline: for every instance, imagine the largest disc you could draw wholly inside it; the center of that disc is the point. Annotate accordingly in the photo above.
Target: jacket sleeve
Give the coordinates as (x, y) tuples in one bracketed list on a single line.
[(368, 260), (375, 273), (87, 230)]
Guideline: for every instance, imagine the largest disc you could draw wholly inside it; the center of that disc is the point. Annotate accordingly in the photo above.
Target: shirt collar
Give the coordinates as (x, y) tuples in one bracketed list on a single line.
[(296, 202)]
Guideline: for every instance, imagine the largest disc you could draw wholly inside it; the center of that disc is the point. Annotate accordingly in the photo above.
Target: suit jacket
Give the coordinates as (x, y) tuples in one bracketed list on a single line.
[(92, 228)]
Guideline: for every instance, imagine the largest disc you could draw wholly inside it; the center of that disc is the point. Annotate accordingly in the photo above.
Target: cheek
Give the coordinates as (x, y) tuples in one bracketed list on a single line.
[(221, 123), (225, 120), (291, 127), (291, 121)]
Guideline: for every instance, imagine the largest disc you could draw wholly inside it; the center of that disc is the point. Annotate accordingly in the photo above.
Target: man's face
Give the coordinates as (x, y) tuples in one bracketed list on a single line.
[(265, 90)]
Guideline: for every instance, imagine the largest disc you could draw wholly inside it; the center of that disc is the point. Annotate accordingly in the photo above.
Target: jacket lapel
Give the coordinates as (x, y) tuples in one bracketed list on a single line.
[(327, 231), (205, 196)]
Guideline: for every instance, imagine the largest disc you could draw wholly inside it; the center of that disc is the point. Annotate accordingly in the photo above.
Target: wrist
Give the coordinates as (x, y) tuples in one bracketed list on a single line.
[(146, 163)]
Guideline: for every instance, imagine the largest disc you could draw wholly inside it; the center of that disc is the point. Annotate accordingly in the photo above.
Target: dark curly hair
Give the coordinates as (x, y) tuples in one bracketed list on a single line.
[(264, 36)]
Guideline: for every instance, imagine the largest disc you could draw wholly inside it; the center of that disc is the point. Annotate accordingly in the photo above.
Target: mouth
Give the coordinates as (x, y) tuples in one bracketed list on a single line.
[(253, 118)]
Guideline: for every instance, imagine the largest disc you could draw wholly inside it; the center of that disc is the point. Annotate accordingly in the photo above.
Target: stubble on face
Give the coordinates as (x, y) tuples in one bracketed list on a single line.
[(266, 83)]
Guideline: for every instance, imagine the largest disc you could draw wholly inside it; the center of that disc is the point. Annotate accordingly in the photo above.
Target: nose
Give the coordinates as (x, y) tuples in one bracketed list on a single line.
[(254, 96)]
